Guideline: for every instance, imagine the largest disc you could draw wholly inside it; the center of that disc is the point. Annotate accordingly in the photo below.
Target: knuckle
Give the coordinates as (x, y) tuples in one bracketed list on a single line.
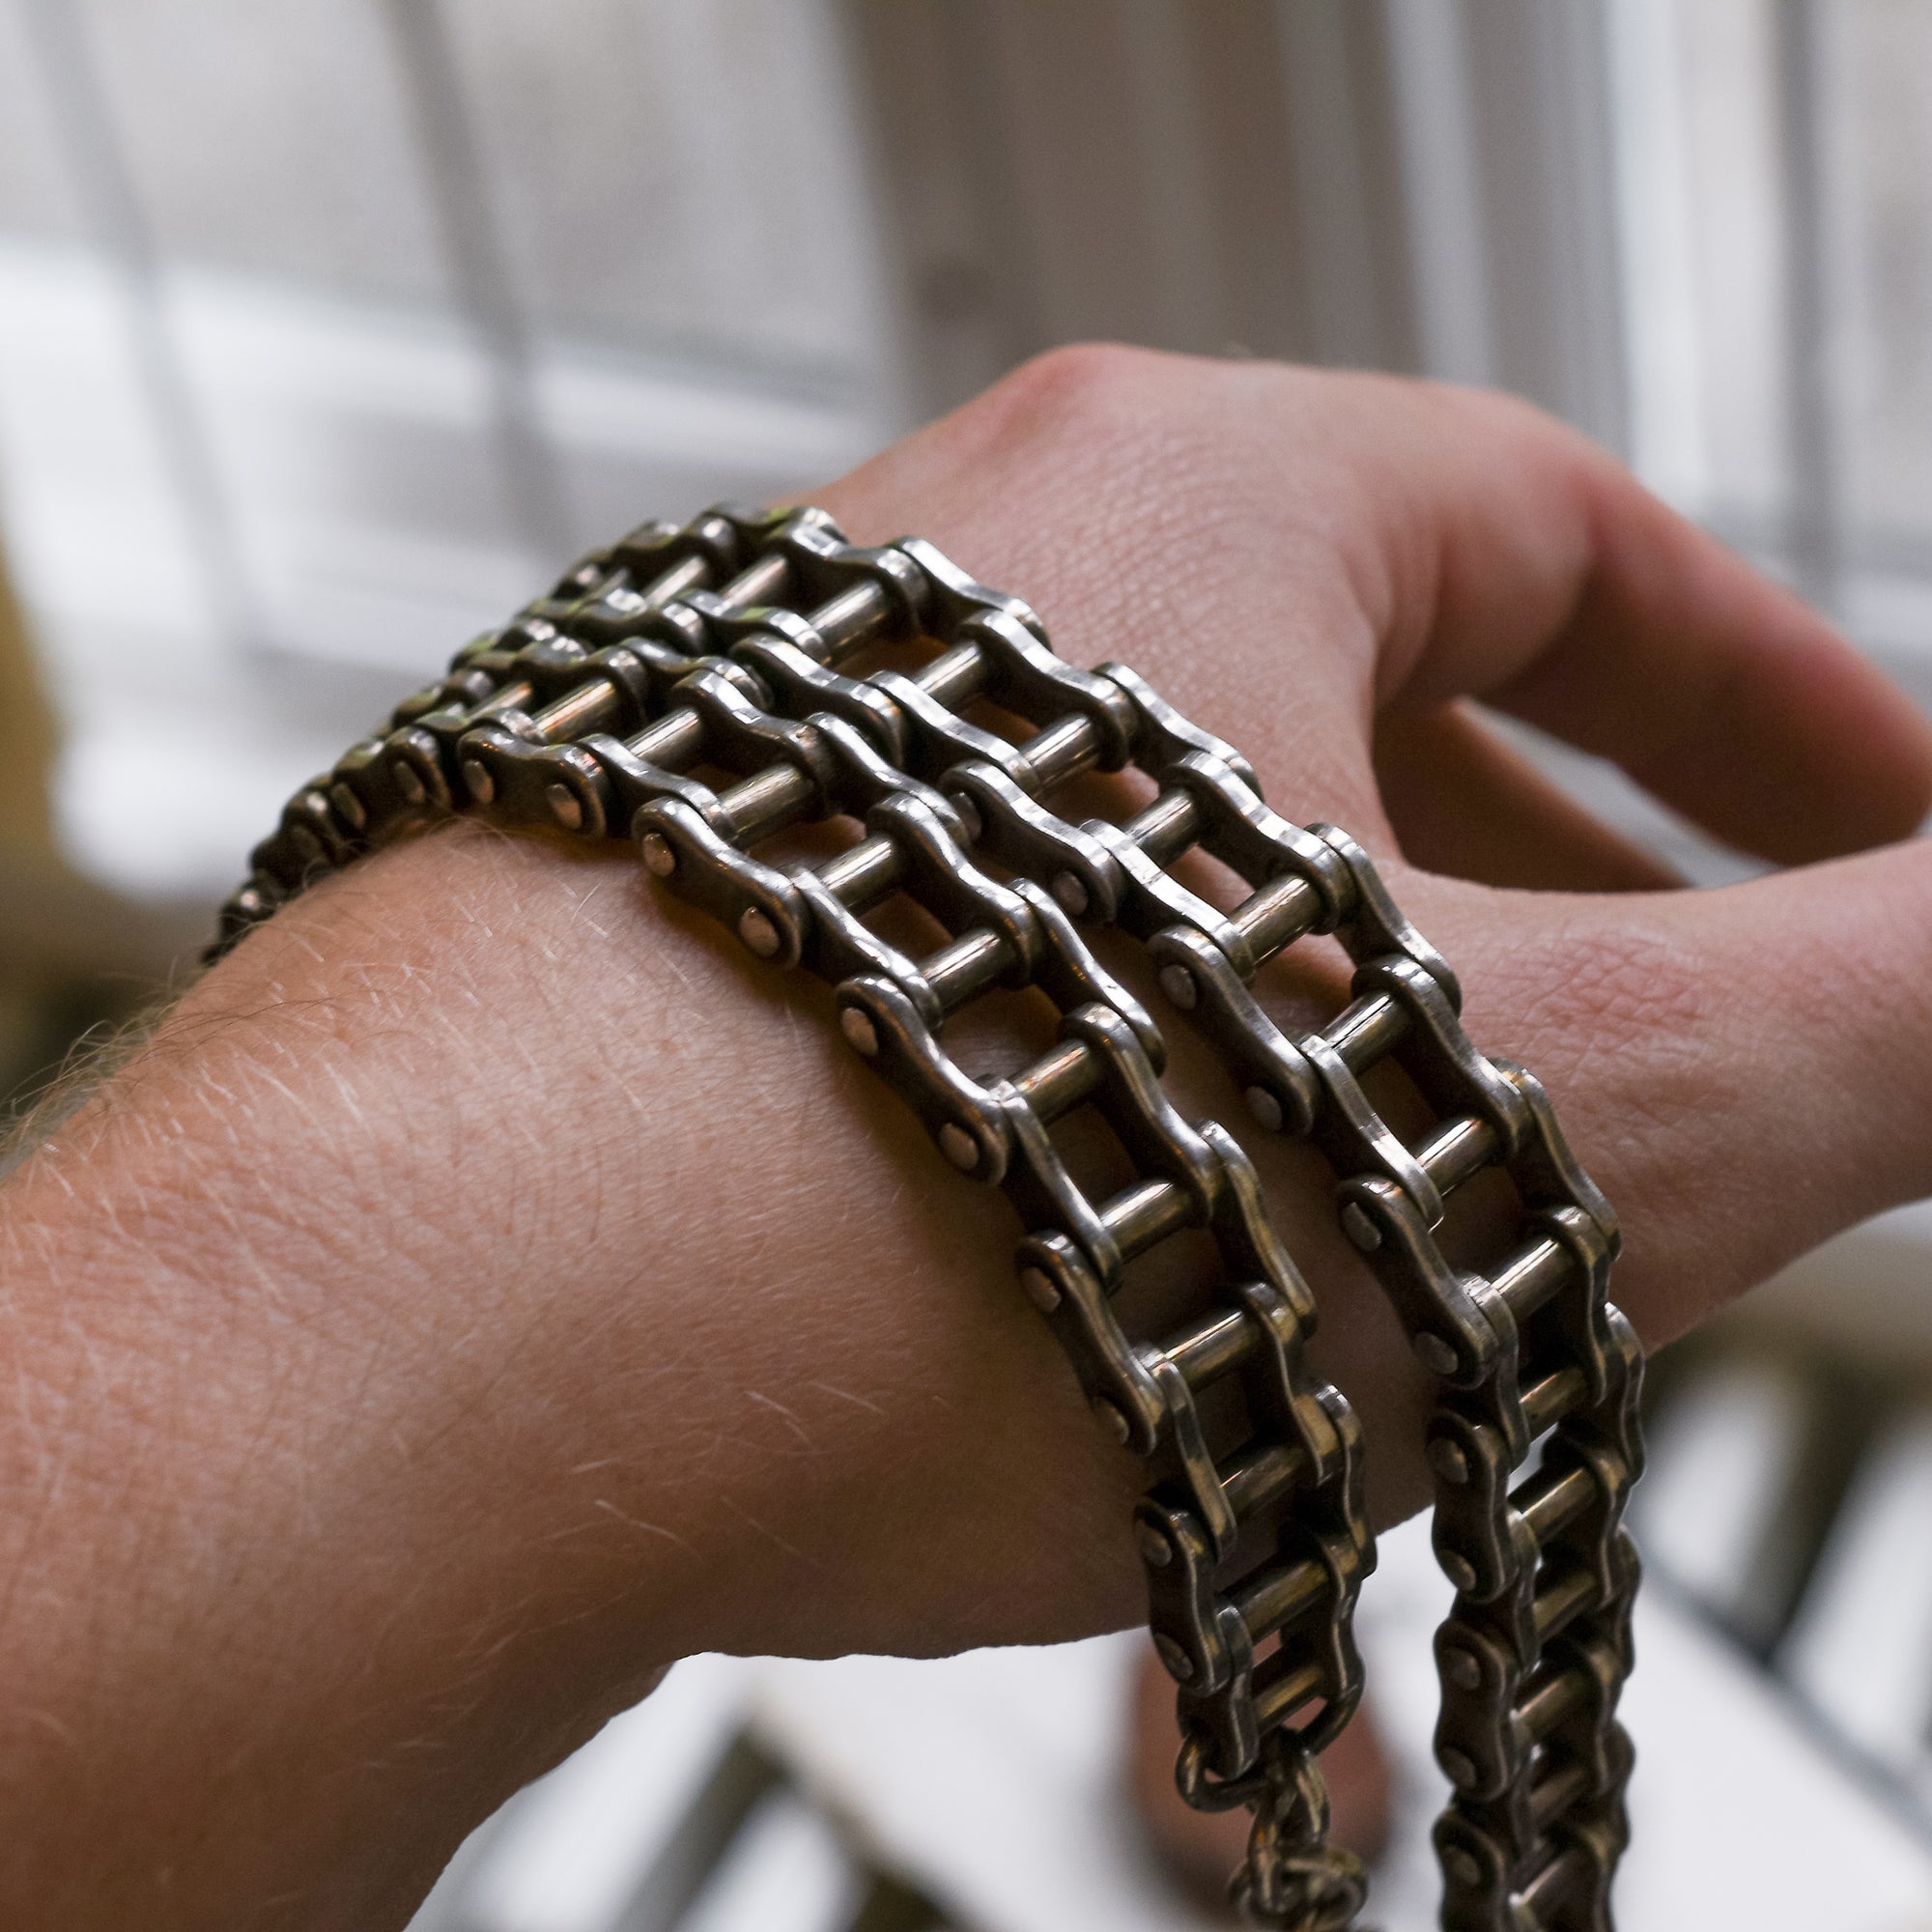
[(1085, 396), (1080, 378)]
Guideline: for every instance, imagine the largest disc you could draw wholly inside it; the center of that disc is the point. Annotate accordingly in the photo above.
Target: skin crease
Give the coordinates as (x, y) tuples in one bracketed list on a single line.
[(490, 1283)]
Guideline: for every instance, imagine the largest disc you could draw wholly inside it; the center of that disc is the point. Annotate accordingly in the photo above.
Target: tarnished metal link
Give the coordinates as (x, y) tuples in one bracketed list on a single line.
[(611, 707), (630, 594), (1533, 1355)]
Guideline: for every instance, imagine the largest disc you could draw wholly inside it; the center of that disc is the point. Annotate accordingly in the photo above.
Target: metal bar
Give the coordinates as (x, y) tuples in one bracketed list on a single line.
[(1435, 117), (1354, 315), (1813, 537), (1538, 122), (84, 125), (485, 284)]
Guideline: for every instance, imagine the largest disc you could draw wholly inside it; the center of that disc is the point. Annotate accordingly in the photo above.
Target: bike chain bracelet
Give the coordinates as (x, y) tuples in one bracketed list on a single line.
[(716, 647)]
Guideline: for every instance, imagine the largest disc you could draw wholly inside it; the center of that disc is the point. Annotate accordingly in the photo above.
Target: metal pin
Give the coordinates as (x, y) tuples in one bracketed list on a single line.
[(1041, 1292), (758, 934), (970, 822), (1177, 984), (858, 1028), (350, 807), (1447, 1459), (1459, 1570), (1360, 1230), (1071, 895), (1156, 1552), (959, 1147), (1459, 1770), (1463, 1669), (1111, 1419), (481, 785), (1264, 1107), (1435, 1354), (408, 781), (566, 807), (660, 861)]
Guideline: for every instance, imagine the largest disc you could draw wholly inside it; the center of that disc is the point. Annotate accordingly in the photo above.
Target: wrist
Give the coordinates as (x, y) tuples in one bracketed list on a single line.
[(481, 1298)]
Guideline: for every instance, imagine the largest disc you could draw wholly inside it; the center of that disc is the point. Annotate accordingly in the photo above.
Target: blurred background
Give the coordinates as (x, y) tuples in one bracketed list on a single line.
[(326, 333)]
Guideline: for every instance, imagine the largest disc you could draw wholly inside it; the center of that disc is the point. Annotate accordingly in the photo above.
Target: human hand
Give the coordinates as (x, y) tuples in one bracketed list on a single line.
[(490, 1283)]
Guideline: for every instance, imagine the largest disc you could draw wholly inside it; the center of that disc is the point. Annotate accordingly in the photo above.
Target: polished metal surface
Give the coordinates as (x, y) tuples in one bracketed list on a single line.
[(719, 647)]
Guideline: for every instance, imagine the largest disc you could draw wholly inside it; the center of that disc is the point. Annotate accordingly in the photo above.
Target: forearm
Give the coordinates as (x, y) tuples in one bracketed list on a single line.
[(272, 1544), (403, 1369)]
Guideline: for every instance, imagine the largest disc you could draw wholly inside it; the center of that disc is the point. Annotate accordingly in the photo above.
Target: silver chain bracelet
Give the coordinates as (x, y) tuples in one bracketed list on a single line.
[(720, 645)]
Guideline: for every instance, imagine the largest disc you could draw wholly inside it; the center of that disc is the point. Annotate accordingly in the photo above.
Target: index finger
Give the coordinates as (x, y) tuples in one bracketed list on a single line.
[(1538, 574)]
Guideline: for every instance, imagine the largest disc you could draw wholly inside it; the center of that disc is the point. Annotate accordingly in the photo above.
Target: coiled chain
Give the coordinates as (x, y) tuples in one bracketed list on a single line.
[(684, 657)]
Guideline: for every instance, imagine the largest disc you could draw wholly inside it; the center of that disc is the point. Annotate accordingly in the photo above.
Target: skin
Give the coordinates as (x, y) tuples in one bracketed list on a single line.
[(490, 1283)]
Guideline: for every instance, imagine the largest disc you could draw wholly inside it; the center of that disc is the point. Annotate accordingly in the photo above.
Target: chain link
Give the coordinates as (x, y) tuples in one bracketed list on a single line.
[(717, 648)]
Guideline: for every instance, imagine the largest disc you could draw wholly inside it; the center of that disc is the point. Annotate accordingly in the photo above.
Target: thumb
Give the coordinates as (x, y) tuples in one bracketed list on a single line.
[(1745, 1071)]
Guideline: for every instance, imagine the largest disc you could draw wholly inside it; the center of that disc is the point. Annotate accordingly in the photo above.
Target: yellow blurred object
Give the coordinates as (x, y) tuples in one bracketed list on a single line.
[(27, 737), (73, 956)]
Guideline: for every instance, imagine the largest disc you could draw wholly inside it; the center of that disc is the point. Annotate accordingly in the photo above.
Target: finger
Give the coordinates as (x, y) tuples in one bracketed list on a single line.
[(1745, 1071), (1286, 551), (1462, 802), (1531, 570)]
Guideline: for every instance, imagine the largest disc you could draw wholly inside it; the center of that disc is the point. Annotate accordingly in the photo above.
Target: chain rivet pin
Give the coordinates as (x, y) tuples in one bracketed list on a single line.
[(970, 822), (1360, 1230), (758, 934), (1447, 1459), (566, 807), (1039, 1289), (1265, 1108), (1111, 1419), (959, 1147), (1177, 984), (1461, 1867), (409, 782), (476, 778), (1156, 1552), (1071, 895), (1459, 1570), (859, 1030), (660, 861), (1435, 1353), (1463, 1669)]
